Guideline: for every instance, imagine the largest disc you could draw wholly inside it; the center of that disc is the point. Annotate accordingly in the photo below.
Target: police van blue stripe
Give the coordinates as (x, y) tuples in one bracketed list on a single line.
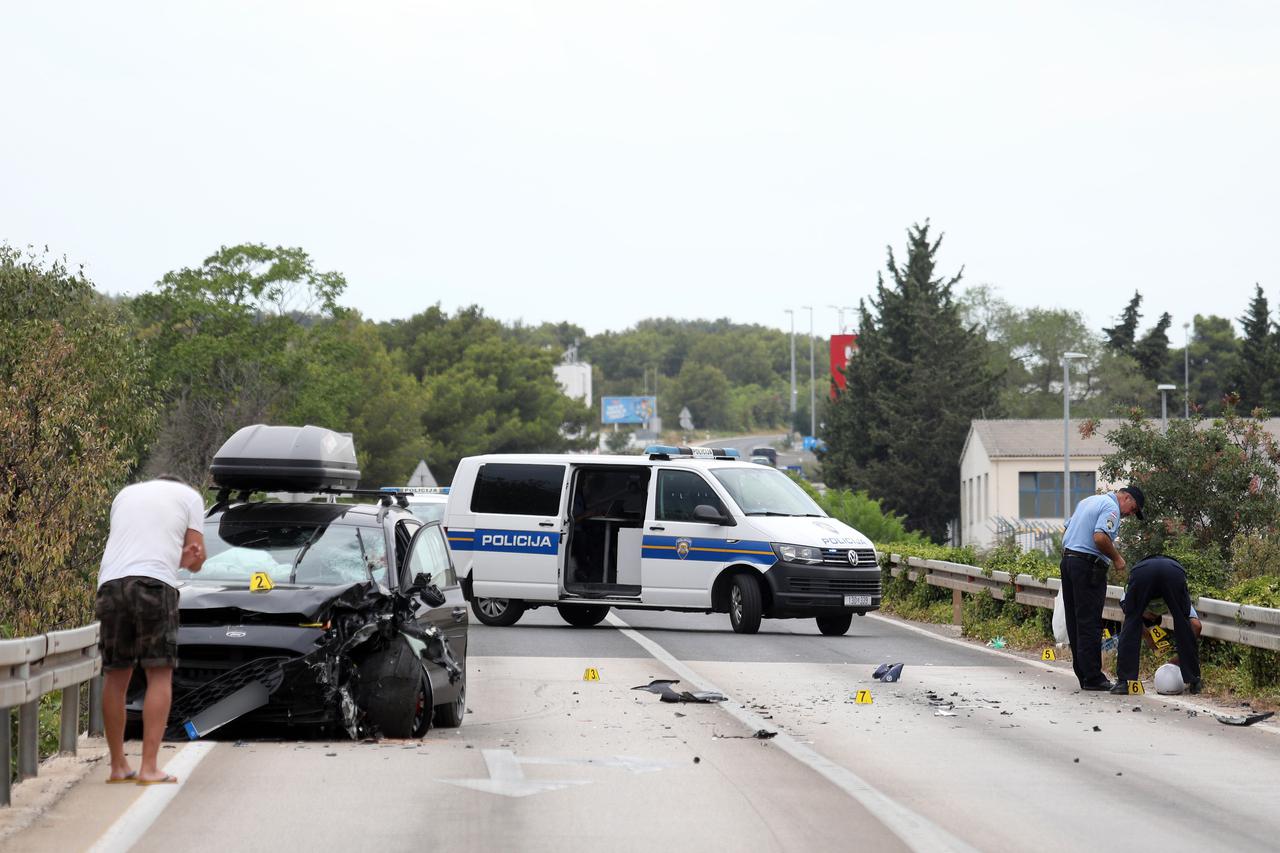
[(505, 541), (707, 550)]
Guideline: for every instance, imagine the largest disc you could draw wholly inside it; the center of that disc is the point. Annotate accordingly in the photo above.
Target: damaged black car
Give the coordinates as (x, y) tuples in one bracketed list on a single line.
[(317, 613)]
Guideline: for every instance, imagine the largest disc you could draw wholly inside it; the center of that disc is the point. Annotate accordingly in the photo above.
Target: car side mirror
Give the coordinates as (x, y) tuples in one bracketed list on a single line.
[(709, 514), (426, 591), (422, 580)]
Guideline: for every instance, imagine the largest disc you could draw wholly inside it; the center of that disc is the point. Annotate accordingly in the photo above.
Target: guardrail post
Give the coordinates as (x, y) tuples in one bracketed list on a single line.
[(28, 739), (957, 607), (96, 726), (70, 728), (6, 758)]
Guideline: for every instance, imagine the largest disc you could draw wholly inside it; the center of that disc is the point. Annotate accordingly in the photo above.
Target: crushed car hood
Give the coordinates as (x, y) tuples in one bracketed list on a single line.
[(209, 602)]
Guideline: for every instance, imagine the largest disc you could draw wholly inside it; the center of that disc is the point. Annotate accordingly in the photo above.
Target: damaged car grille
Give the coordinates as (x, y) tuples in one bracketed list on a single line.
[(266, 670)]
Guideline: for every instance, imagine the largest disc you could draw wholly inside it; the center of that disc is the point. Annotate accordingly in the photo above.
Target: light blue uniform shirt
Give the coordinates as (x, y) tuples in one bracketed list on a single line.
[(1093, 514)]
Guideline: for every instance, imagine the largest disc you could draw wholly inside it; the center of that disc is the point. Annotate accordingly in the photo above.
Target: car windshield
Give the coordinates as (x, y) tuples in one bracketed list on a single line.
[(311, 554), (765, 491)]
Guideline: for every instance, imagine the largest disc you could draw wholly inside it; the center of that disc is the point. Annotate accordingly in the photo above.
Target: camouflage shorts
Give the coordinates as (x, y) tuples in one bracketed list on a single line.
[(139, 617)]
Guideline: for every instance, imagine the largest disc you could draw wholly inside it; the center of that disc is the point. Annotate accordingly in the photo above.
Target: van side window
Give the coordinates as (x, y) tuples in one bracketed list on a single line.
[(511, 489), (679, 492)]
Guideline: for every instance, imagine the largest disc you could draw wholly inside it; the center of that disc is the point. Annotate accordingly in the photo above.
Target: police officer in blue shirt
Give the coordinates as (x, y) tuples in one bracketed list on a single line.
[(1088, 552)]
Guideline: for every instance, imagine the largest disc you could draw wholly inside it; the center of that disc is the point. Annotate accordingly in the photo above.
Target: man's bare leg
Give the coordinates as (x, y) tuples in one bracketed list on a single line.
[(155, 715), (115, 685)]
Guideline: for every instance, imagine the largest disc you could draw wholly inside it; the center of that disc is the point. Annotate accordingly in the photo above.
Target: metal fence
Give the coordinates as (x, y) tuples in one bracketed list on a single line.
[(1029, 534), (1245, 624), (33, 666)]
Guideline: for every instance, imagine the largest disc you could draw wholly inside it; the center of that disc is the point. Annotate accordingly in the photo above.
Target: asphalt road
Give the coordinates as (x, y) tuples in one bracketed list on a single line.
[(548, 761)]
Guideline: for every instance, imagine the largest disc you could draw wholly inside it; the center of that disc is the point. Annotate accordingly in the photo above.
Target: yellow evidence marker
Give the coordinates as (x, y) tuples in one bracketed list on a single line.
[(592, 674), (261, 582), (1106, 633), (1135, 688), (1048, 654), (863, 697)]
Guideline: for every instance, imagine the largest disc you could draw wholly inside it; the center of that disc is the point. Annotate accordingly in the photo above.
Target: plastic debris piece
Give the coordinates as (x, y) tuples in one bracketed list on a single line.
[(1097, 728), (662, 688), (943, 712), (1248, 720), (697, 760), (888, 672), (996, 642)]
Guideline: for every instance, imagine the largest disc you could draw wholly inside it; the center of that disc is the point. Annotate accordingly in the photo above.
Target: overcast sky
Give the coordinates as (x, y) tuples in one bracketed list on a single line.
[(601, 162)]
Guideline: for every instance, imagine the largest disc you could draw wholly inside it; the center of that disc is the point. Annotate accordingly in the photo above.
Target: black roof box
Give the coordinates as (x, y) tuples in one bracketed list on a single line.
[(286, 458)]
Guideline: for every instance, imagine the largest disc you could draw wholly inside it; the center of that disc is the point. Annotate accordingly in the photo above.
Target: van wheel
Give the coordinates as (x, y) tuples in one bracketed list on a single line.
[(583, 617), (744, 605), (835, 625), (500, 612)]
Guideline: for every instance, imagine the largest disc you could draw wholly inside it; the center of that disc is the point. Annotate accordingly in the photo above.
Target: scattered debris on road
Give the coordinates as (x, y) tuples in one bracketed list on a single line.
[(1247, 720), (662, 688), (888, 672)]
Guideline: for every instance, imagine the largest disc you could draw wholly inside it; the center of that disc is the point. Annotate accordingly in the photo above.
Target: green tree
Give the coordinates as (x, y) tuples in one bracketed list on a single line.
[(921, 377), (1213, 358), (75, 413), (705, 390), (1122, 336), (1254, 375), (485, 390), (219, 335), (1207, 482), (1152, 352), (346, 380)]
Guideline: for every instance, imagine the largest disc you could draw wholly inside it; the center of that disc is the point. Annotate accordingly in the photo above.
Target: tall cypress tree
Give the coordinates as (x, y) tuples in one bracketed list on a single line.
[(1253, 377), (1121, 336), (1152, 352), (920, 377)]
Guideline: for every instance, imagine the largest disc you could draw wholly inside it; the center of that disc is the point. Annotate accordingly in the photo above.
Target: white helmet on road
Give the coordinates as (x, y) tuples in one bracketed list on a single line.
[(1169, 679)]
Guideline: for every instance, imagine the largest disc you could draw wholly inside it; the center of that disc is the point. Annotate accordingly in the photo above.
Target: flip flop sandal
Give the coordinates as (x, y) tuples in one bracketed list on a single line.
[(167, 780), (124, 780)]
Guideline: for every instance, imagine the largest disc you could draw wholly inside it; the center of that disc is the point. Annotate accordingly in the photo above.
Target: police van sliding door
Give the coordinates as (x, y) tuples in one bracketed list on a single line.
[(517, 510), (681, 556)]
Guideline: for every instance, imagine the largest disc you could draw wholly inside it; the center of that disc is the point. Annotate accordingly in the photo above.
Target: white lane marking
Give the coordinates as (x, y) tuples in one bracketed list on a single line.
[(137, 819), (915, 830), (507, 779), (1171, 699)]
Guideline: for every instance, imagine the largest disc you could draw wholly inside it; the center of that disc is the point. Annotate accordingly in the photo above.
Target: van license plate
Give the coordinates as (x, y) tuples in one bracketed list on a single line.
[(857, 601)]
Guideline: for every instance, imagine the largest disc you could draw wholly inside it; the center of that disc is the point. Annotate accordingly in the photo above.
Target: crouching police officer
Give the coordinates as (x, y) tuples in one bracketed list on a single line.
[(1164, 578), (1088, 553)]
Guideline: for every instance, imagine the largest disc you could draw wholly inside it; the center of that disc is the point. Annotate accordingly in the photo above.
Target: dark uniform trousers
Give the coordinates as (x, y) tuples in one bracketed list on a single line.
[(1084, 592), (1163, 578)]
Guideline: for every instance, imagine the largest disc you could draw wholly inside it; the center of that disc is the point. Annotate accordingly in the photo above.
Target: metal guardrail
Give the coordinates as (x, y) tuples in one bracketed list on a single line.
[(33, 666), (1245, 624)]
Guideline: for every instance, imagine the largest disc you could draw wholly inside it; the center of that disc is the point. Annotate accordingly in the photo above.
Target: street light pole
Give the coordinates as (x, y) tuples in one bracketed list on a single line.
[(793, 371), (1066, 432), (1186, 370), (1164, 405), (813, 409)]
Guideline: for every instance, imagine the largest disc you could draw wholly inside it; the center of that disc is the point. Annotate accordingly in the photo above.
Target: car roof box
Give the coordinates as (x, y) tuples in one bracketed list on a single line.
[(286, 458)]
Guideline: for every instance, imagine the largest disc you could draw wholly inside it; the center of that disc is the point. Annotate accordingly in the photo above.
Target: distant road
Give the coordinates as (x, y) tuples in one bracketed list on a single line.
[(744, 443)]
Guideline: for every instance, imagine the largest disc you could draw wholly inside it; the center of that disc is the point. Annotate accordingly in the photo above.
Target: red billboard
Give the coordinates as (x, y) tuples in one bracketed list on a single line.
[(843, 348)]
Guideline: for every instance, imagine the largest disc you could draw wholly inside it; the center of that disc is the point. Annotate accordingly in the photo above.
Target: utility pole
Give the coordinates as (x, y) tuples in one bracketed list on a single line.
[(1186, 370), (793, 371), (813, 409)]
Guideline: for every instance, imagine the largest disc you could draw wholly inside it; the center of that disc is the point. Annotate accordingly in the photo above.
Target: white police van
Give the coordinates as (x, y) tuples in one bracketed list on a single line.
[(676, 529)]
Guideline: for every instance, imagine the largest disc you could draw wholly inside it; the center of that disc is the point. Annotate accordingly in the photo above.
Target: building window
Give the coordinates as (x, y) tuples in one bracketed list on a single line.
[(1040, 492)]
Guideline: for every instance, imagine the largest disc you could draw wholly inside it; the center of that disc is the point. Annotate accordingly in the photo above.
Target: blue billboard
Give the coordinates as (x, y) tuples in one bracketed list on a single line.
[(627, 410)]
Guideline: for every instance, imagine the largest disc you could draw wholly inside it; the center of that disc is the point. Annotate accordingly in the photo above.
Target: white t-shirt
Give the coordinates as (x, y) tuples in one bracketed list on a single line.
[(149, 522)]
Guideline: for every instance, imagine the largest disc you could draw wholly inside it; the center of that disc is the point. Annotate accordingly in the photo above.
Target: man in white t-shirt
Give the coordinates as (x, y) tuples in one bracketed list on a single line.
[(156, 527)]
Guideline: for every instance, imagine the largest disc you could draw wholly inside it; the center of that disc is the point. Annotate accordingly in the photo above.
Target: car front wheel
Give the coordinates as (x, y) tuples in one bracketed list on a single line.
[(745, 605), (499, 612), (450, 716)]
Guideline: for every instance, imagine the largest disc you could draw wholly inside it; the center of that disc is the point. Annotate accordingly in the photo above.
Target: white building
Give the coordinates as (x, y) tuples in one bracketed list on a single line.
[(1011, 478), (574, 376)]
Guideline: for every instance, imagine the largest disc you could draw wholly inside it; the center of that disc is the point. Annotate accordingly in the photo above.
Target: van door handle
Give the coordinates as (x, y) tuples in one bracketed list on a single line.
[(656, 527), (546, 524)]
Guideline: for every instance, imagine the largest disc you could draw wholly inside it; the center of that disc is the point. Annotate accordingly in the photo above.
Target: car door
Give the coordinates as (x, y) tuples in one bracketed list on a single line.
[(681, 555), (428, 553), (517, 543)]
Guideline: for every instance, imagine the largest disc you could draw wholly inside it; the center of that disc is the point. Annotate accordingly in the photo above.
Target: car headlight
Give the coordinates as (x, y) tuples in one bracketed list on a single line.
[(796, 553)]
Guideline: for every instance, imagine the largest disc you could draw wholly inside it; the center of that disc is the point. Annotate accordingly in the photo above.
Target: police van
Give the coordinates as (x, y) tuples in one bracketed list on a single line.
[(691, 529)]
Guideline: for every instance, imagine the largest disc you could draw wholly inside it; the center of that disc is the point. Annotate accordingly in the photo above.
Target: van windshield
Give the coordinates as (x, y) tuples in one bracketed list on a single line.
[(765, 491)]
